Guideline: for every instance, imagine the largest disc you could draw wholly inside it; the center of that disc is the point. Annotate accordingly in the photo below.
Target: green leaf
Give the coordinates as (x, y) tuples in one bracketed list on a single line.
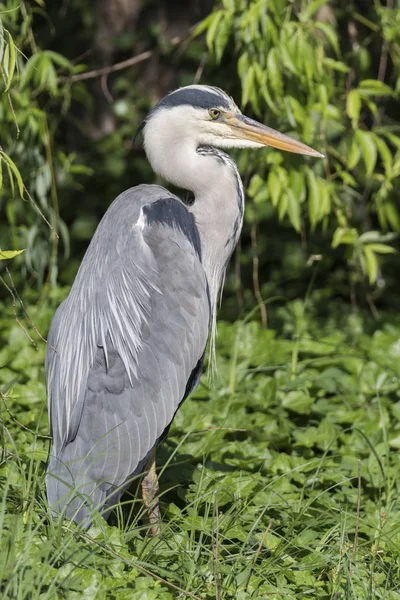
[(353, 105), (382, 248), (274, 187), (248, 85), (7, 254), (368, 149), (335, 65), (371, 263), (353, 155), (222, 37), (311, 9), (293, 210), (344, 235), (374, 87), (313, 198), (274, 72), (10, 163), (212, 28), (329, 33), (11, 60), (385, 154)]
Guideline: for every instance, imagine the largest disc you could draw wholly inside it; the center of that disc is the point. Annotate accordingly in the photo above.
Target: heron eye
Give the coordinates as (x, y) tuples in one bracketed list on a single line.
[(214, 113)]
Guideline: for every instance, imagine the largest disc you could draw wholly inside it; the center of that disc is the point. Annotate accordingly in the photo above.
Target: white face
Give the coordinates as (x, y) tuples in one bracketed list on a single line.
[(215, 130), (186, 124)]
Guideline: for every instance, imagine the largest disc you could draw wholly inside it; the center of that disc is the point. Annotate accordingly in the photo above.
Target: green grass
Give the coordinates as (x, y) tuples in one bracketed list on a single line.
[(279, 480)]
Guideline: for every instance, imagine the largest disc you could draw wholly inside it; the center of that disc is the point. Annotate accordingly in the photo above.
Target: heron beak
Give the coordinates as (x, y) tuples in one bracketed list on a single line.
[(248, 129)]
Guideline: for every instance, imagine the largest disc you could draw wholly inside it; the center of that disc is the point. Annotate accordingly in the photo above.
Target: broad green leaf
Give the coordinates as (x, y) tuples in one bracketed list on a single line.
[(10, 163), (353, 105), (274, 71), (222, 37), (2, 42), (392, 215), (368, 149), (335, 65), (293, 210), (212, 28), (385, 154), (248, 85), (255, 184), (311, 9), (354, 154), (7, 254), (11, 61), (382, 248), (313, 198), (274, 187), (329, 33), (344, 235), (374, 87), (371, 263), (203, 25)]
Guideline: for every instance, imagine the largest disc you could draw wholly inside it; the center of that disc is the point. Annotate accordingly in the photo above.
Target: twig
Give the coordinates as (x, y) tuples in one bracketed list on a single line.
[(105, 89), (257, 554), (40, 212), (200, 69), (357, 516), (120, 66), (15, 313), (45, 437), (136, 565), (384, 51), (216, 552), (261, 544), (124, 64), (32, 324), (256, 280)]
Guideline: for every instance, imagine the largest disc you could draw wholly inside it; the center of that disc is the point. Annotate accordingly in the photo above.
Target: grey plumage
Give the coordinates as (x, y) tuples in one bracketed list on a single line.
[(127, 345), (127, 338)]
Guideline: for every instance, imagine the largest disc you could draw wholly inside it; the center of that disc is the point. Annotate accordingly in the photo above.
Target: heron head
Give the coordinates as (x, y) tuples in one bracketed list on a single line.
[(207, 116)]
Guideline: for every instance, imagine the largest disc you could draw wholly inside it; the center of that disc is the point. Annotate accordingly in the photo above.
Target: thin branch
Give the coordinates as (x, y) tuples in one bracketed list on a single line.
[(258, 551), (120, 66), (32, 324), (15, 313), (45, 437), (200, 68), (40, 212), (384, 51)]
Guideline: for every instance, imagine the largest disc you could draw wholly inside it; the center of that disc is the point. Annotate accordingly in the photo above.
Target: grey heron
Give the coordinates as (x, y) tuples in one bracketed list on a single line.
[(127, 345)]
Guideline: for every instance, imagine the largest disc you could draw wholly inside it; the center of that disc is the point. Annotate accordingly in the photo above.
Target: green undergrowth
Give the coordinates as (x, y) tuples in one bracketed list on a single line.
[(278, 480)]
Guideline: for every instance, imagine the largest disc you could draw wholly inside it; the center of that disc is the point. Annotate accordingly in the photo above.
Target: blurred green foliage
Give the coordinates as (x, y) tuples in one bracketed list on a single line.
[(330, 75), (322, 71)]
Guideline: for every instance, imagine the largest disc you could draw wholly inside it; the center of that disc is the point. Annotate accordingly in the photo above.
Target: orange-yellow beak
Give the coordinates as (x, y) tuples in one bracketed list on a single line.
[(247, 129)]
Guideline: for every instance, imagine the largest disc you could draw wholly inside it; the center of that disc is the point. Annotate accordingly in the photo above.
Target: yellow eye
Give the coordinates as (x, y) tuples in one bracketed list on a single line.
[(214, 113)]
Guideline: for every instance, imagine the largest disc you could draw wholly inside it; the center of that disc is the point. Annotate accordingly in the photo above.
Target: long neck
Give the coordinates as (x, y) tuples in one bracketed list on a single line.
[(218, 212), (213, 178)]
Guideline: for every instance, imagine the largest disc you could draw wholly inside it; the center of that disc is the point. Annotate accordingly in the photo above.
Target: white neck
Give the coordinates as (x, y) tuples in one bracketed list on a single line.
[(214, 180)]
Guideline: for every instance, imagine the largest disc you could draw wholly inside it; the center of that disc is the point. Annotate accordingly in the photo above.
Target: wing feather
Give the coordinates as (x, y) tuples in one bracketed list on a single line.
[(127, 340)]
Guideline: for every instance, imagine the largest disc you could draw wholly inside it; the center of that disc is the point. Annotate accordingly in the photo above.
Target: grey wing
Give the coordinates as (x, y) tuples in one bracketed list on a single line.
[(127, 341)]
